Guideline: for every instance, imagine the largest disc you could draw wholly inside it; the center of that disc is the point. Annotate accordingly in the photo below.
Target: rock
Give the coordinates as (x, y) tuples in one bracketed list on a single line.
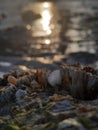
[(61, 106), (7, 94), (20, 95), (71, 124)]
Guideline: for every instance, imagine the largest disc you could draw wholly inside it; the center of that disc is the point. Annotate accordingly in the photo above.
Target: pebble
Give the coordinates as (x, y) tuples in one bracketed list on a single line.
[(61, 106), (71, 124), (7, 94), (20, 95)]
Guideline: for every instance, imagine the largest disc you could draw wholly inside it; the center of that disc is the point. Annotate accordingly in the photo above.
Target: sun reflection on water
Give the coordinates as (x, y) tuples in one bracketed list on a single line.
[(46, 18), (47, 41), (45, 28), (46, 21), (46, 5), (41, 27), (28, 27)]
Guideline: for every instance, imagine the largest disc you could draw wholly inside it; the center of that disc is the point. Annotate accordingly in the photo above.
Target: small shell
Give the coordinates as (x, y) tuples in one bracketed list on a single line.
[(12, 80), (55, 78)]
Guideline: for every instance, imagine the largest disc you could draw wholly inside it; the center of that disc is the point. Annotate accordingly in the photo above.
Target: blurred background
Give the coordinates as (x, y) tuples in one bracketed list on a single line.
[(46, 33)]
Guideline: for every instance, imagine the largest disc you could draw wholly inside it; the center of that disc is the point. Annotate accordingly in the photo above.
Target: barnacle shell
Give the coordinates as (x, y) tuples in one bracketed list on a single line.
[(42, 76), (12, 80), (83, 84), (26, 80), (55, 78)]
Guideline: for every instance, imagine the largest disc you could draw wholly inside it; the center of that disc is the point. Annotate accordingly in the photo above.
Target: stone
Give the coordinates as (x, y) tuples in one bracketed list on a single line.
[(71, 124), (20, 95)]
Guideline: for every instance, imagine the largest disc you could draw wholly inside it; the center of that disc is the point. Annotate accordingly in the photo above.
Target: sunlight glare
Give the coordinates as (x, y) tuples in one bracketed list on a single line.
[(47, 41), (42, 25), (22, 67), (28, 27), (45, 4), (46, 17)]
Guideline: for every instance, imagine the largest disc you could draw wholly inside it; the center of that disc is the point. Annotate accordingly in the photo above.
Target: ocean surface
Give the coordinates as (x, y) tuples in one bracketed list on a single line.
[(51, 31)]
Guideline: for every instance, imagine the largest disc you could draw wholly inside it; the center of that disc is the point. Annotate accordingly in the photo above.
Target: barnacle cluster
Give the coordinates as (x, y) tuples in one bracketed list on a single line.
[(80, 82)]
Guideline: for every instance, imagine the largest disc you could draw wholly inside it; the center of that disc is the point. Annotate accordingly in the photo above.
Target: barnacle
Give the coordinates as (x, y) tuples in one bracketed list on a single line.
[(55, 78), (42, 76), (82, 82), (26, 79)]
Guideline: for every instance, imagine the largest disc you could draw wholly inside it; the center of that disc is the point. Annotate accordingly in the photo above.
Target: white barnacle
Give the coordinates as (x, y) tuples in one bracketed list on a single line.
[(54, 78)]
